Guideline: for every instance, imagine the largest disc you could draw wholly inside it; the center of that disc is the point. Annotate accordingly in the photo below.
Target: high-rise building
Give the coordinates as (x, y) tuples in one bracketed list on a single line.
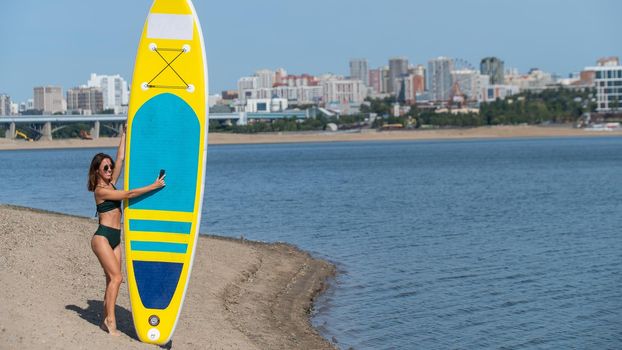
[(482, 84), (409, 86), (418, 83), (493, 67), (608, 83), (29, 105), (536, 80), (384, 72), (419, 72), (439, 78), (265, 79), (299, 89), (49, 99), (398, 67), (608, 61), (279, 74), (5, 104), (85, 100), (114, 89), (246, 87), (378, 79), (587, 77), (343, 91), (300, 80), (359, 70), (14, 108), (375, 80), (296, 89), (304, 94)]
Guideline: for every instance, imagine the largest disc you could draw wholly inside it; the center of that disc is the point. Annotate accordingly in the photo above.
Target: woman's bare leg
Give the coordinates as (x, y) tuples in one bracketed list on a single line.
[(109, 261), (117, 254)]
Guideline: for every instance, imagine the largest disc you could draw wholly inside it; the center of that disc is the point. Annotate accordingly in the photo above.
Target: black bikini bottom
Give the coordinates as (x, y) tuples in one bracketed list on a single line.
[(113, 235)]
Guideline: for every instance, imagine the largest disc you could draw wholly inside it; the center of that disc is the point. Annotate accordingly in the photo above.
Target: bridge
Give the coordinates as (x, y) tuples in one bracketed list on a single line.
[(46, 125), (242, 118)]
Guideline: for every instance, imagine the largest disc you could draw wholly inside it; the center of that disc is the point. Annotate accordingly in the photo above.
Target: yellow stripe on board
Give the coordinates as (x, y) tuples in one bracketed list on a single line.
[(158, 256), (159, 215), (158, 237)]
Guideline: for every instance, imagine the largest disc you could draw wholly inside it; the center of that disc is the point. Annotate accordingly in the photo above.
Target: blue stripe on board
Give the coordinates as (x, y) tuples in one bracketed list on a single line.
[(160, 247), (160, 226), (156, 282)]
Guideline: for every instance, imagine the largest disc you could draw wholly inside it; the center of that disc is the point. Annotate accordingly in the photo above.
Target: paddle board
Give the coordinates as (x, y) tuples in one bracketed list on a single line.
[(167, 129)]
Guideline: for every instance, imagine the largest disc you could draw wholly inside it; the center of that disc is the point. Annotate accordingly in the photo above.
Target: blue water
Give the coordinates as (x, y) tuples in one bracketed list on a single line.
[(511, 244)]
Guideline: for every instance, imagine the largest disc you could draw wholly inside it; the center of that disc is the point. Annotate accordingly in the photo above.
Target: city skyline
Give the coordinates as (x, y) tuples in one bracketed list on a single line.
[(561, 37)]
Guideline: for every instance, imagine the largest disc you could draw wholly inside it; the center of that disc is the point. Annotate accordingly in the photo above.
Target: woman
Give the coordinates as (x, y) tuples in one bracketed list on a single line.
[(103, 176)]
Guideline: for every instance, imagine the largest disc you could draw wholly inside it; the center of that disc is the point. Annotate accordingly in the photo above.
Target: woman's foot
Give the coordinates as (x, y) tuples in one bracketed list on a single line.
[(110, 327)]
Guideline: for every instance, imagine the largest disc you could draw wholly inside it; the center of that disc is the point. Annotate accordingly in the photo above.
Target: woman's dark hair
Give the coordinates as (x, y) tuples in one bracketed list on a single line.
[(95, 163)]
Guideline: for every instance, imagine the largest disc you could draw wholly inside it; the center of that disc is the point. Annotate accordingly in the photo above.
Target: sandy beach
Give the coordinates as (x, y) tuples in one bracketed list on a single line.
[(527, 131), (242, 294)]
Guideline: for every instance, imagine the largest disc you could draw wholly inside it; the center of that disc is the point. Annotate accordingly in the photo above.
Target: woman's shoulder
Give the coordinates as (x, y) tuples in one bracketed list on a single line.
[(109, 186), (101, 188)]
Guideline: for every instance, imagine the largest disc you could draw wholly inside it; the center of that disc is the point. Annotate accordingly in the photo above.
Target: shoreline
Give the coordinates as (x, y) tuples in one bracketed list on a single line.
[(242, 294), (484, 132)]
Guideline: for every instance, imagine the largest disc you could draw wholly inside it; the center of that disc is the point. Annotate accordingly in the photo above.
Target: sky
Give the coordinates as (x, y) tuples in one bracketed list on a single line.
[(62, 42)]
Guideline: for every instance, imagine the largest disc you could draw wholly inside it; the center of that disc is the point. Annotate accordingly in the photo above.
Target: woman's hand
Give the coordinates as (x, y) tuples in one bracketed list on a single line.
[(159, 182)]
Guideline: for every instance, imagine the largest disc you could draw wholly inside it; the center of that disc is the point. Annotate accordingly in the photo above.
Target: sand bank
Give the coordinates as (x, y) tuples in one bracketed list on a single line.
[(363, 135), (242, 295)]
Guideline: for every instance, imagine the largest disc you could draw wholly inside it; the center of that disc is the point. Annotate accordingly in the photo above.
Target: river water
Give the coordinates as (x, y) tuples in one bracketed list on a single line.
[(510, 244)]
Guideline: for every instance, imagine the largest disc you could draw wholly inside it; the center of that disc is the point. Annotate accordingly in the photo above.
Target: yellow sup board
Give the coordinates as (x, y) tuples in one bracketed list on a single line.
[(167, 129)]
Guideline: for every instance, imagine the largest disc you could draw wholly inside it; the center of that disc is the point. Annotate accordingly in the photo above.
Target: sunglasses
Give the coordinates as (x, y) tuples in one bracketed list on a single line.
[(108, 167)]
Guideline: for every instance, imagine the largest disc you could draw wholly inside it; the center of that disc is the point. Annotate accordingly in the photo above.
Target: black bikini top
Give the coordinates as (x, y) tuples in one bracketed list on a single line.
[(108, 205)]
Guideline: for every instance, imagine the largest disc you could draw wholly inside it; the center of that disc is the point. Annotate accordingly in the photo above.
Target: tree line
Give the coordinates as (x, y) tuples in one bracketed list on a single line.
[(549, 106), (559, 105)]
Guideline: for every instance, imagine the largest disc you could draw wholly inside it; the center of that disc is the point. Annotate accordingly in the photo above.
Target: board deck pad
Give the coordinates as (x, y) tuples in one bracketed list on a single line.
[(167, 129), (166, 134)]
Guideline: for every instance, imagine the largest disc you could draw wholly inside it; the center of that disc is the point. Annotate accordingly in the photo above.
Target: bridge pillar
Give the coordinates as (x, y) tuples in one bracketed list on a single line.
[(47, 131), (95, 130), (243, 119), (10, 134)]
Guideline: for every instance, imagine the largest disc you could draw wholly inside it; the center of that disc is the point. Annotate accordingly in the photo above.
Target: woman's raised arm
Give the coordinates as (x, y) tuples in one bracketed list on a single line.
[(120, 158)]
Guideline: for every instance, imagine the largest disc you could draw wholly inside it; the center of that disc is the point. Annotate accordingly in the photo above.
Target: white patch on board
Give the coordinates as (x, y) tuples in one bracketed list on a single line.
[(153, 334), (165, 26)]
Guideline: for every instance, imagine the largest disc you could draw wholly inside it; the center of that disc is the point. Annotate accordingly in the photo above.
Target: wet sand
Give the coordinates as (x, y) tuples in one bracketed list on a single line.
[(242, 294), (529, 131)]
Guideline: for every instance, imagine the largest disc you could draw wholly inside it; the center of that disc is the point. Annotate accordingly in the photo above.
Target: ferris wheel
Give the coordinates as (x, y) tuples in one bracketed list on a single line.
[(460, 64)]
